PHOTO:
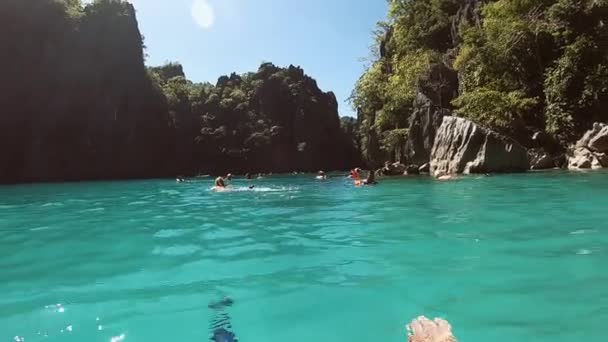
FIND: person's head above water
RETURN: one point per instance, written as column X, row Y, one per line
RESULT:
column 229, row 176
column 219, row 182
column 321, row 173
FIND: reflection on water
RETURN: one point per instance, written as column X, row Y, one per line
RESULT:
column 503, row 258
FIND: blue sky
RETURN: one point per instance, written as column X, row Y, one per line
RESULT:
column 328, row 38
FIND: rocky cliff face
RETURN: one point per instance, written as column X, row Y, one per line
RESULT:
column 81, row 104
column 591, row 151
column 463, row 147
column 273, row 120
column 436, row 89
column 78, row 103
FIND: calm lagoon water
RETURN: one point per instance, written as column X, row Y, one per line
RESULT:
column 503, row 258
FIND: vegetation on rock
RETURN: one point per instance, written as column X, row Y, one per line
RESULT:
column 274, row 119
column 524, row 66
column 79, row 103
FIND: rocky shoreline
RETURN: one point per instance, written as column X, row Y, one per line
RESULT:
column 462, row 147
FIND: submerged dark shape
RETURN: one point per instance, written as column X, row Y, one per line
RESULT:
column 221, row 304
column 220, row 325
column 223, row 335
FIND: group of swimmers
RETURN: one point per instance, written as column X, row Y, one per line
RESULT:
column 222, row 182
column 355, row 175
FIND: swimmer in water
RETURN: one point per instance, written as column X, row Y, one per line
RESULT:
column 321, row 175
column 229, row 177
column 220, row 183
column 355, row 175
column 443, row 176
column 221, row 327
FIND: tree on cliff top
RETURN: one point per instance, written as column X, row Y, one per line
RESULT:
column 273, row 119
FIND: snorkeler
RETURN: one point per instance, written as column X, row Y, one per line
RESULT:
column 221, row 327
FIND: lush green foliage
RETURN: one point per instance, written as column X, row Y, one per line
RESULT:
column 414, row 37
column 275, row 118
column 549, row 52
column 78, row 103
column 524, row 66
column 507, row 108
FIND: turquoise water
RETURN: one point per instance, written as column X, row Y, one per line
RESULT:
column 503, row 258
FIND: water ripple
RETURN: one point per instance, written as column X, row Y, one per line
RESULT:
column 355, row 263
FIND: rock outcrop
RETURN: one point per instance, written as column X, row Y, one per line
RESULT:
column 412, row 170
column 582, row 158
column 436, row 89
column 591, row 151
column 541, row 160
column 461, row 146
column 394, row 169
column 81, row 103
column 423, row 125
column 596, row 139
column 426, row 168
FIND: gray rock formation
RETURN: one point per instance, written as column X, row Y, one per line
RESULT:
column 426, row 168
column 596, row 136
column 596, row 139
column 541, row 160
column 591, row 151
column 424, row 122
column 412, row 170
column 436, row 89
column 394, row 169
column 581, row 158
column 464, row 147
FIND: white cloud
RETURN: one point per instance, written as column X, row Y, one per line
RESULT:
column 203, row 13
